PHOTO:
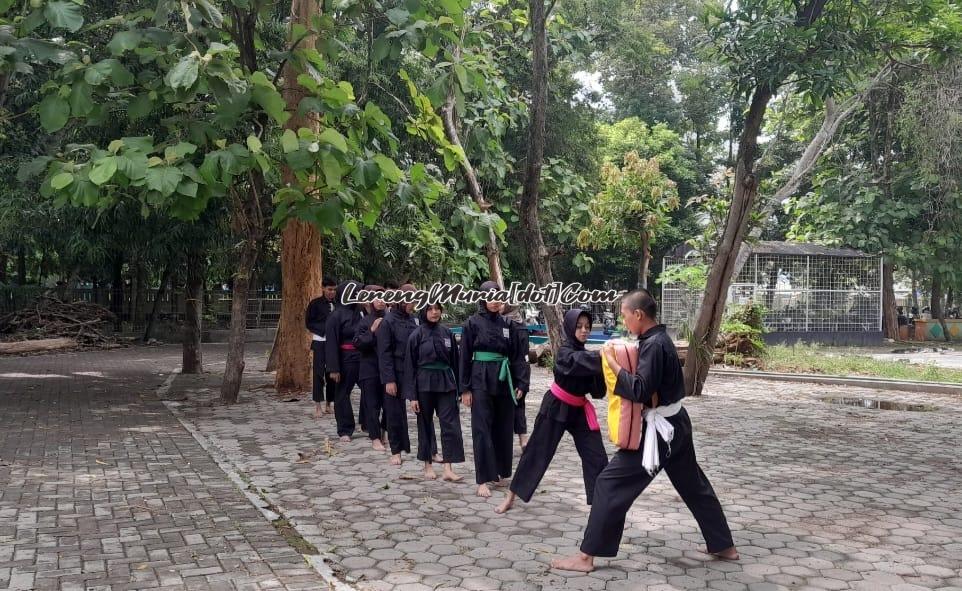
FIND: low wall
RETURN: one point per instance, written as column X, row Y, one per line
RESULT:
column 931, row 330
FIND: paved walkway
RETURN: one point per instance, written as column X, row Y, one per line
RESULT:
column 103, row 488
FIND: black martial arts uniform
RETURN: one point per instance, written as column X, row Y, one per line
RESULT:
column 492, row 409
column 430, row 373
column 578, row 372
column 369, row 376
column 392, row 339
column 318, row 311
column 343, row 357
column 521, row 368
column 620, row 483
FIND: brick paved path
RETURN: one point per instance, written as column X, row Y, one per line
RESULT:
column 819, row 497
column 102, row 488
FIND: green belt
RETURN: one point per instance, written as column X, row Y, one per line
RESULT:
column 504, row 374
column 439, row 365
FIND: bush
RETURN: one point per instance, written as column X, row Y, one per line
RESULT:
column 741, row 333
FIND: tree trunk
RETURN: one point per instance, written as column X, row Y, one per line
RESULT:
column 890, row 324
column 272, row 358
column 915, row 290
column 492, row 249
column 117, row 292
column 3, row 268
column 300, row 241
column 155, row 309
column 193, row 360
column 534, row 243
column 701, row 347
column 949, row 301
column 938, row 312
column 645, row 261
column 139, row 298
column 21, row 266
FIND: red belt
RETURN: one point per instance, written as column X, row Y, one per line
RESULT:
column 577, row 401
column 348, row 347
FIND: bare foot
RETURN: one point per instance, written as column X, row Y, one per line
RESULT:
column 437, row 458
column 449, row 474
column 345, row 438
column 317, row 411
column 484, row 491
column 396, row 460
column 580, row 562
column 377, row 444
column 502, row 482
column 506, row 505
column 726, row 554
column 327, row 408
column 523, row 440
column 429, row 472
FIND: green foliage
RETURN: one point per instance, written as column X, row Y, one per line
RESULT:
column 692, row 277
column 741, row 330
column 849, row 362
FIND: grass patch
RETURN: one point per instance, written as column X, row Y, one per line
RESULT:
column 812, row 359
column 294, row 539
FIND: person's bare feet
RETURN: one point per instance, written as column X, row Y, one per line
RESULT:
column 345, row 438
column 327, row 408
column 377, row 444
column 429, row 472
column 726, row 554
column 579, row 562
column 522, row 440
column 450, row 475
column 506, row 505
column 484, row 491
column 317, row 410
column 396, row 460
column 437, row 458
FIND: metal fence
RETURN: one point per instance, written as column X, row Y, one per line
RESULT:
column 799, row 292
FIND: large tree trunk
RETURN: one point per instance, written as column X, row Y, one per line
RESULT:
column 492, row 250
column 534, row 244
column 300, row 241
column 158, row 297
column 645, row 261
column 701, row 347
column 890, row 324
column 915, row 290
column 193, row 360
column 938, row 311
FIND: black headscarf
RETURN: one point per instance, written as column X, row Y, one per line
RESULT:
column 483, row 304
column 571, row 324
column 423, row 314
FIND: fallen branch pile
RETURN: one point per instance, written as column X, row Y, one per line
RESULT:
column 48, row 317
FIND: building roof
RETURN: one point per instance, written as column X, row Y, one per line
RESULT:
column 773, row 247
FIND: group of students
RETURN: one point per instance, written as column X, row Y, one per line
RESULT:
column 394, row 357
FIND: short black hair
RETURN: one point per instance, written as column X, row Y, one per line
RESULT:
column 328, row 282
column 391, row 284
column 641, row 299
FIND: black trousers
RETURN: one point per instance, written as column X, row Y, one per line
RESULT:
column 445, row 406
column 396, row 416
column 343, row 408
column 543, row 444
column 492, row 430
column 520, row 418
column 372, row 401
column 319, row 394
column 624, row 479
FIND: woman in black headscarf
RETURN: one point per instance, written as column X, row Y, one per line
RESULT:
column 372, row 392
column 565, row 407
column 342, row 358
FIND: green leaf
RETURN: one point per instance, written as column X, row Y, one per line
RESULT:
column 164, row 179
column 334, row 138
column 103, row 170
column 288, row 195
column 388, row 168
column 179, row 150
column 299, row 159
column 187, row 187
column 98, row 73
column 289, row 142
column 33, row 168
column 271, row 101
column 64, row 15
column 462, row 75
column 81, row 99
column 184, row 74
column 140, row 107
column 61, row 180
column 124, row 41
column 133, row 165
column 381, row 49
column 54, row 112
column 397, row 16
column 332, row 171
column 366, row 173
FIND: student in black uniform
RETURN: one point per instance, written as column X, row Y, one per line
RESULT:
column 372, row 392
column 392, row 342
column 343, row 359
column 521, row 367
column 489, row 363
column 630, row 472
column 318, row 311
column 565, row 407
column 430, row 374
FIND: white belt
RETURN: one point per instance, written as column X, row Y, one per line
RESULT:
column 317, row 338
column 656, row 421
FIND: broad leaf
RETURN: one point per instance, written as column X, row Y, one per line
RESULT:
column 64, row 15
column 103, row 170
column 54, row 112
column 163, row 179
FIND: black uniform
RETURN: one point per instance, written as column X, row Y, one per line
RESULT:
column 521, row 368
column 492, row 410
column 435, row 388
column 369, row 376
column 578, row 372
column 392, row 338
column 343, row 357
column 620, row 483
column 318, row 311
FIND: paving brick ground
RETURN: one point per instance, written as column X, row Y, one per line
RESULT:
column 102, row 488
column 819, row 496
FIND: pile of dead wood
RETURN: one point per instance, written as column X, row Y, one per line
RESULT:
column 48, row 323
